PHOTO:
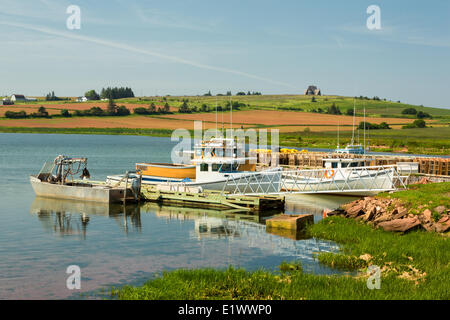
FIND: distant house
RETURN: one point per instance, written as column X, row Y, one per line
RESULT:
column 82, row 99
column 313, row 91
column 18, row 97
column 6, row 102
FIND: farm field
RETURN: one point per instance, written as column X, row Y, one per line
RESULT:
column 133, row 122
column 292, row 114
column 272, row 117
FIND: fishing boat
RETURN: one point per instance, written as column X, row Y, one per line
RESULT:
column 352, row 147
column 218, row 164
column 56, row 180
column 344, row 176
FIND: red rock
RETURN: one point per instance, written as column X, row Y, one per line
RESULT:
column 355, row 210
column 442, row 226
column 427, row 215
column 369, row 214
column 424, row 180
column 400, row 212
column 400, row 225
column 440, row 209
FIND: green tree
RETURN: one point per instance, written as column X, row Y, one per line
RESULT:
column 92, row 95
column 111, row 108
column 152, row 108
column 166, row 108
column 419, row 123
column 65, row 113
column 409, row 111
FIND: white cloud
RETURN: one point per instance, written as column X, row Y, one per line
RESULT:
column 117, row 45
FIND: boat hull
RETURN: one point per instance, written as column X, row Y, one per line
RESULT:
column 169, row 171
column 366, row 184
column 84, row 192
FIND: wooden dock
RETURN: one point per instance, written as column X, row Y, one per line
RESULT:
column 211, row 199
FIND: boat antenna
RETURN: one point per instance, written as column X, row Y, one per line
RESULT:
column 222, row 121
column 231, row 115
column 353, row 127
column 364, row 146
column 216, row 116
column 338, row 137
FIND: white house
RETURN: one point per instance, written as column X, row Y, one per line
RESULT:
column 82, row 99
column 18, row 97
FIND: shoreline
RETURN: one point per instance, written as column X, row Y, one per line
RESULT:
column 412, row 265
column 285, row 140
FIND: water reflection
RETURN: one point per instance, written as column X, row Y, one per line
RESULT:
column 315, row 204
column 232, row 231
column 71, row 218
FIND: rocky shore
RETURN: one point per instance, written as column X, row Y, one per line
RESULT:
column 393, row 215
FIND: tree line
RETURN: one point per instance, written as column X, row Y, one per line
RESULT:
column 240, row 93
column 110, row 93
column 414, row 112
column 42, row 113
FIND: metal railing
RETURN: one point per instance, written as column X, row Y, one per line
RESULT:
column 357, row 180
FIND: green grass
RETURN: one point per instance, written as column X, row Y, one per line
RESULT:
column 422, row 258
column 423, row 196
column 109, row 131
column 341, row 261
column 419, row 141
column 286, row 102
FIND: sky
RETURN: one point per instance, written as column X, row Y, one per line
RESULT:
column 191, row 47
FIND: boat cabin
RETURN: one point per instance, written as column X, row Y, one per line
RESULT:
column 216, row 158
column 337, row 163
column 351, row 149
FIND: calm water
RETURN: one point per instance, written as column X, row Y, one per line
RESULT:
column 40, row 238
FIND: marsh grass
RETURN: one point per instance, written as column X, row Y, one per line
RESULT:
column 341, row 261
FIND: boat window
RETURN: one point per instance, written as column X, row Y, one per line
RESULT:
column 203, row 167
column 226, row 167
column 334, row 164
column 228, row 152
column 354, row 164
column 215, row 167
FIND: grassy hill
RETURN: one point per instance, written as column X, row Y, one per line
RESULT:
column 298, row 120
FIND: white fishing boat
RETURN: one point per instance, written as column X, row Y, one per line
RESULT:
column 343, row 176
column 221, row 164
column 56, row 180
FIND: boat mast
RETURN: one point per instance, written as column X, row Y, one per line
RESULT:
column 364, row 146
column 216, row 117
column 338, row 137
column 353, row 127
column 231, row 115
